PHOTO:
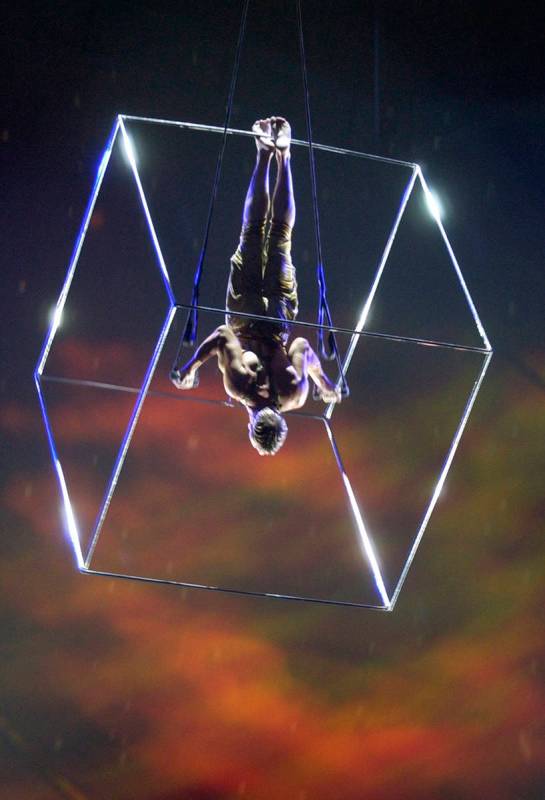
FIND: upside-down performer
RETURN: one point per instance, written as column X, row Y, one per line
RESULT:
column 260, row 369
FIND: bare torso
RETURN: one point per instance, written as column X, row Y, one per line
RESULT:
column 260, row 371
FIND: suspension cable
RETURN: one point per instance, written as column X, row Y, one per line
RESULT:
column 190, row 332
column 324, row 314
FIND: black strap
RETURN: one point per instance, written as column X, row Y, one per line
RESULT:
column 190, row 332
column 331, row 351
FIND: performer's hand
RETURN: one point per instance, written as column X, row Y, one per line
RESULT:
column 189, row 380
column 331, row 394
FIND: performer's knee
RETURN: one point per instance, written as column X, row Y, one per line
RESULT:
column 280, row 232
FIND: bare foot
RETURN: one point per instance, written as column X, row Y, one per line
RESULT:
column 263, row 135
column 281, row 133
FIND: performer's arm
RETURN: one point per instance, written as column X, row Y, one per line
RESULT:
column 186, row 377
column 306, row 362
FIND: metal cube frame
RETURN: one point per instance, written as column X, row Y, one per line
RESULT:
column 84, row 556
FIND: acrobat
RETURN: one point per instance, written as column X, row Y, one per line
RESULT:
column 260, row 369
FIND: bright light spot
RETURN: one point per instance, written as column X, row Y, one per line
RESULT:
column 56, row 318
column 69, row 516
column 366, row 542
column 129, row 149
column 434, row 206
column 103, row 162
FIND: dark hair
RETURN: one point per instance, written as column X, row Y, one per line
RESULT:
column 268, row 431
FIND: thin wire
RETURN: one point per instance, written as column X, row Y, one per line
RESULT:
column 116, row 387
column 243, row 592
column 443, row 475
column 357, row 331
column 323, row 306
column 190, row 332
column 196, row 126
column 376, row 73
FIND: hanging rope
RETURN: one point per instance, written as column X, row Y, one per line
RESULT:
column 190, row 332
column 324, row 315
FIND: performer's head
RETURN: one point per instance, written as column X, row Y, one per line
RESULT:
column 267, row 430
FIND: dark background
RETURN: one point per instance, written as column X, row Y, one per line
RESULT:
column 123, row 691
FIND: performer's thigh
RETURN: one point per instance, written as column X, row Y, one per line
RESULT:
column 245, row 286
column 280, row 282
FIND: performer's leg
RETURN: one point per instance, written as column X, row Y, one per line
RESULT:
column 283, row 204
column 244, row 290
column 280, row 286
column 256, row 205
